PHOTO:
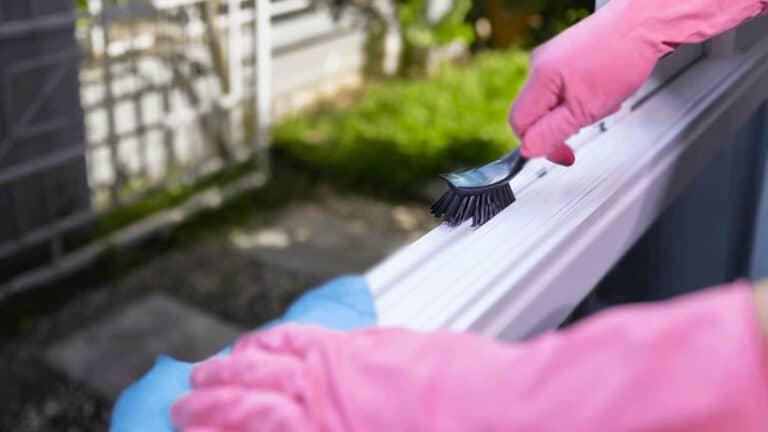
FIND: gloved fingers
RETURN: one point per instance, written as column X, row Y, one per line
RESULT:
column 547, row 137
column 252, row 370
column 540, row 95
column 562, row 155
column 289, row 339
column 233, row 408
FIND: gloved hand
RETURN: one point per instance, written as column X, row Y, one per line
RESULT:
column 586, row 72
column 695, row 364
column 343, row 303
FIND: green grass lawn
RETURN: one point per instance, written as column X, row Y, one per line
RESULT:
column 403, row 132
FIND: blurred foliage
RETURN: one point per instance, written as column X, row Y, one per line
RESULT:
column 420, row 36
column 403, row 132
column 556, row 16
column 536, row 20
column 173, row 195
column 82, row 5
column 539, row 21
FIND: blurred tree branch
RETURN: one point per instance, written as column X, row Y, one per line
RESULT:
column 209, row 11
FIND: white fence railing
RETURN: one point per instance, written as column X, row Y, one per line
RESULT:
column 164, row 93
column 171, row 90
column 162, row 105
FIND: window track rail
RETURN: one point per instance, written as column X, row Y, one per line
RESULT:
column 528, row 268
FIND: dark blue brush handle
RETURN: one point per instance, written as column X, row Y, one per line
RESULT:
column 516, row 162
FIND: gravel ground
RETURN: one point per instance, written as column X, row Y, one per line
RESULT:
column 40, row 399
column 217, row 275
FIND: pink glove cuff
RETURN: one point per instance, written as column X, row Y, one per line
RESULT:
column 669, row 24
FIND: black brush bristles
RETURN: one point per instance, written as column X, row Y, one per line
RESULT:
column 479, row 193
column 479, row 206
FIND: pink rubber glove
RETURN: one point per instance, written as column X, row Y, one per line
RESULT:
column 694, row 364
column 586, row 72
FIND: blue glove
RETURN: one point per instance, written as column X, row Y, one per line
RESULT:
column 344, row 303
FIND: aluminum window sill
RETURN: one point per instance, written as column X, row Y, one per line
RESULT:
column 528, row 268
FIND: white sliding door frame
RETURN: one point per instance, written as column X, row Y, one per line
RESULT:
column 528, row 268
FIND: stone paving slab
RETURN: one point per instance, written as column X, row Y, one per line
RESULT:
column 119, row 349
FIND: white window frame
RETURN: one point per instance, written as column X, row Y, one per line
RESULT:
column 529, row 267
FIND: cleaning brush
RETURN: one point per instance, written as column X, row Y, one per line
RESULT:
column 479, row 193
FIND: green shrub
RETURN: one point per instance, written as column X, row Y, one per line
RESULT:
column 558, row 15
column 420, row 36
column 404, row 132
